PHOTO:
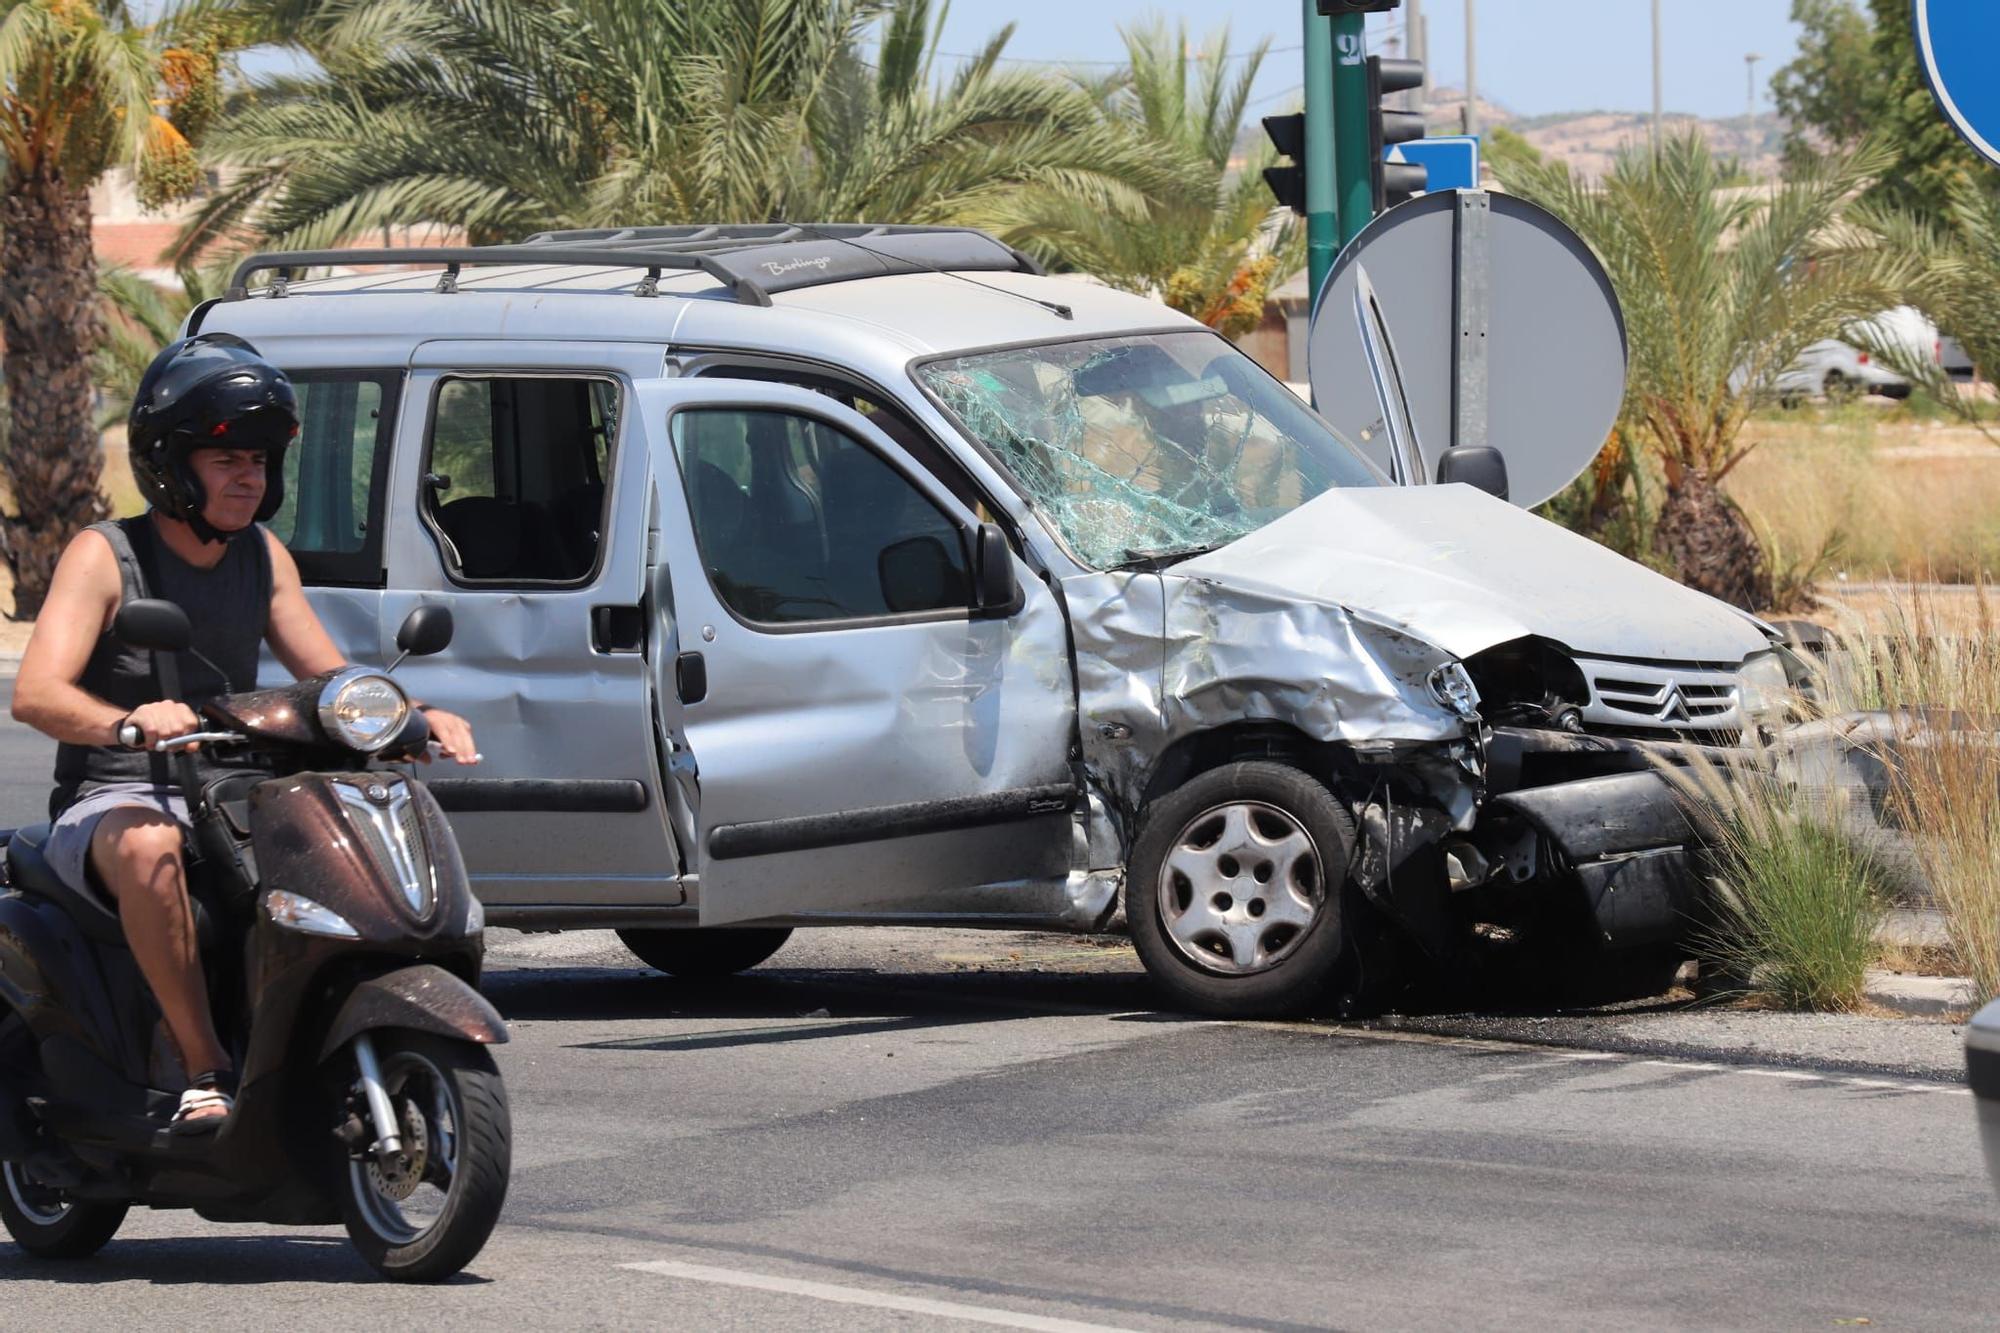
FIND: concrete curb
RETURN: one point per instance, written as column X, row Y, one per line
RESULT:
column 1919, row 997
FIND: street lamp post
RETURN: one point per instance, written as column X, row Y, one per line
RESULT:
column 1750, row 105
column 1657, row 77
column 1472, row 68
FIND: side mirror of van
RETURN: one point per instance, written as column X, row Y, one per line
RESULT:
column 426, row 630
column 918, row 574
column 998, row 591
column 1475, row 465
column 148, row 622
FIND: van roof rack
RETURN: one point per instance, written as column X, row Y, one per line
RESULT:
column 752, row 260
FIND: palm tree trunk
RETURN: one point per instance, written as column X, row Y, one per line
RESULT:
column 49, row 322
column 1712, row 545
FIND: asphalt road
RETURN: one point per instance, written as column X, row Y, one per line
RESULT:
column 909, row 1129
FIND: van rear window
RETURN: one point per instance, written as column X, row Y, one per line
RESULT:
column 336, row 473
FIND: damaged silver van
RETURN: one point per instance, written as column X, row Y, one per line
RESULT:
column 814, row 575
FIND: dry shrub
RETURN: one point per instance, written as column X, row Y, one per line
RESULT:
column 1937, row 673
column 1797, row 897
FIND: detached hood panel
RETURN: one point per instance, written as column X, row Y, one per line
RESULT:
column 1465, row 571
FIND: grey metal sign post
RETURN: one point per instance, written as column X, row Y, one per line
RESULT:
column 1498, row 326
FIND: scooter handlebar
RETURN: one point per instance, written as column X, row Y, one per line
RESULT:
column 192, row 738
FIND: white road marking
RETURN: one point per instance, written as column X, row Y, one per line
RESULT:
column 1540, row 1051
column 1691, row 1066
column 878, row 1300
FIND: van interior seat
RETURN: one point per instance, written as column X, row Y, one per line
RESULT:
column 576, row 523
column 487, row 533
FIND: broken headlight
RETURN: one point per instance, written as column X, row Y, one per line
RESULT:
column 1451, row 685
column 1763, row 687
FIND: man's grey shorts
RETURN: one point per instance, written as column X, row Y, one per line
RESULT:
column 68, row 849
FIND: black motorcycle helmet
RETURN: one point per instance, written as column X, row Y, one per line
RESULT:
column 214, row 392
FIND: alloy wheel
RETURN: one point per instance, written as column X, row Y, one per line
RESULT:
column 1241, row 888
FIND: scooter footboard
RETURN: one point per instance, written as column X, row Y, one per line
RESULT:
column 425, row 998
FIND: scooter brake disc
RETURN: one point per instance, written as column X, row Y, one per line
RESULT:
column 399, row 1180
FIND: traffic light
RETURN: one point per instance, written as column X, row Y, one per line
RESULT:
column 1395, row 182
column 1333, row 9
column 1288, row 136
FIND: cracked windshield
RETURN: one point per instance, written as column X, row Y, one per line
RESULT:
column 1147, row 448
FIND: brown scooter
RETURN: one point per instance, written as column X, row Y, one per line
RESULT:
column 342, row 945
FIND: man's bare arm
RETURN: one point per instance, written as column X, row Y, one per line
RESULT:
column 296, row 635
column 82, row 597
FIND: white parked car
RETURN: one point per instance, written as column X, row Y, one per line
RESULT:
column 1839, row 371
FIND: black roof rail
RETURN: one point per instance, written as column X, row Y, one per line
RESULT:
column 751, row 260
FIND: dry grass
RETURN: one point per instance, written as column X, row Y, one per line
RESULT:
column 1895, row 499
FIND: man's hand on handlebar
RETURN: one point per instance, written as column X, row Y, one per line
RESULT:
column 168, row 717
column 452, row 735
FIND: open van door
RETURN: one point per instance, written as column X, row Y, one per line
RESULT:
column 873, row 689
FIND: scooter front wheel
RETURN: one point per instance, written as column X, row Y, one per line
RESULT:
column 425, row 1214
column 48, row 1223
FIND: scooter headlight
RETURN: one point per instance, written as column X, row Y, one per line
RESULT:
column 294, row 912
column 363, row 709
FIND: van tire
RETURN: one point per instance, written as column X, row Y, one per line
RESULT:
column 706, row 954
column 1262, row 805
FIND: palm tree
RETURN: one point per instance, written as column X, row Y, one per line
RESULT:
column 1721, row 289
column 79, row 86
column 1212, row 245
column 504, row 118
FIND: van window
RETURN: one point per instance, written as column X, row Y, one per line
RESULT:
column 335, row 472
column 799, row 522
column 516, row 473
column 882, row 413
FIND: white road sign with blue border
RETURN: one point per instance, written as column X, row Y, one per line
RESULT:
column 1958, row 42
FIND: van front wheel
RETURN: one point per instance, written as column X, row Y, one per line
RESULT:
column 1235, row 891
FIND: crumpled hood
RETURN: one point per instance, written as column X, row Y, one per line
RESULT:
column 1465, row 571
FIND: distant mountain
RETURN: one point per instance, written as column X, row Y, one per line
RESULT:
column 1589, row 140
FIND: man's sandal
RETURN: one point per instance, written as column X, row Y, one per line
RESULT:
column 197, row 1111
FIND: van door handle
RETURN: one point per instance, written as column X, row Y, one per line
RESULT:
column 617, row 629
column 691, row 677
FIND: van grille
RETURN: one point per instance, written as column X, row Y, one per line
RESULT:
column 1632, row 696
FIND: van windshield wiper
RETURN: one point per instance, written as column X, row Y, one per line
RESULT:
column 1155, row 561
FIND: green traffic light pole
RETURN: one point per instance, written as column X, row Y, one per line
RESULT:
column 1339, row 184
column 1322, row 229
column 1353, row 172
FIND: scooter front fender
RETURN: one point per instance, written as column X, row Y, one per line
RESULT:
column 425, row 998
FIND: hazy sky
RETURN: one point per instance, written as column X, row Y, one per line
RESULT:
column 1535, row 56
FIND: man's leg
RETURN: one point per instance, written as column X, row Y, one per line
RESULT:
column 137, row 855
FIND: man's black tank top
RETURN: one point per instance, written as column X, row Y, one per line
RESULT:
column 230, row 609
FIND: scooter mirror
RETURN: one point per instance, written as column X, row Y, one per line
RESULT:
column 426, row 630
column 147, row 622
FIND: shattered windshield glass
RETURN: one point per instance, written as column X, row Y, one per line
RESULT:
column 1146, row 448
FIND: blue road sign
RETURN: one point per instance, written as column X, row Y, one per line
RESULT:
column 1452, row 161
column 1958, row 41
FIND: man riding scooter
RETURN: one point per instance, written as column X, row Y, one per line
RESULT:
column 210, row 424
